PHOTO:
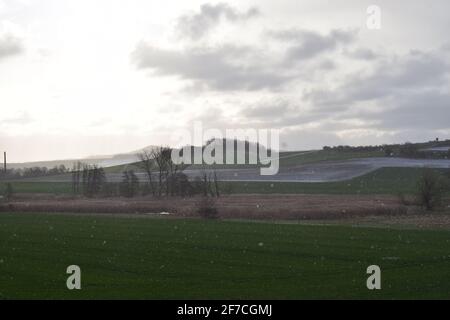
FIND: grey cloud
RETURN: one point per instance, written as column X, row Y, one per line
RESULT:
column 406, row 92
column 241, row 68
column 415, row 72
column 196, row 26
column 327, row 65
column 280, row 113
column 267, row 110
column 362, row 54
column 222, row 68
column 10, row 46
column 308, row 44
column 307, row 139
column 231, row 67
column 424, row 111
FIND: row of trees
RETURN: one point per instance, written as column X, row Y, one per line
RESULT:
column 411, row 150
column 162, row 173
column 88, row 180
column 33, row 172
column 353, row 149
column 163, row 178
column 407, row 150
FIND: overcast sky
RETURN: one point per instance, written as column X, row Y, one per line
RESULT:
column 81, row 77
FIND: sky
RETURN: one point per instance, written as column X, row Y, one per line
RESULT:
column 81, row 78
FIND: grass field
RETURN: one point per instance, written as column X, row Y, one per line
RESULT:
column 391, row 181
column 167, row 258
column 294, row 158
column 38, row 187
column 287, row 159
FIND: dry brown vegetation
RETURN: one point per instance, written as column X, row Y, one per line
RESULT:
column 269, row 207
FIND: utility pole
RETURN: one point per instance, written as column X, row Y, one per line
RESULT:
column 4, row 161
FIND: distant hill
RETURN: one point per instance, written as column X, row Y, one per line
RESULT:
column 118, row 162
column 100, row 160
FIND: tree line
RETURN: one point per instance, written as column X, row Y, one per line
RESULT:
column 88, row 180
column 162, row 178
column 165, row 178
column 406, row 150
column 33, row 172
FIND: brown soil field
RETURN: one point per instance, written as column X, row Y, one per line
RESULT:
column 264, row 207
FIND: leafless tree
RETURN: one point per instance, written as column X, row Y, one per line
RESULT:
column 208, row 184
column 158, row 157
column 147, row 163
column 130, row 184
column 158, row 162
column 93, row 180
column 431, row 188
column 216, row 184
column 76, row 177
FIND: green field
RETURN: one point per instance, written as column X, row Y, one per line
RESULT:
column 295, row 158
column 392, row 181
column 38, row 187
column 287, row 159
column 179, row 259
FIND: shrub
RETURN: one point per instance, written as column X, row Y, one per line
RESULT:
column 207, row 209
column 431, row 188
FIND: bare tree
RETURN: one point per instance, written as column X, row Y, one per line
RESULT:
column 165, row 177
column 208, row 184
column 93, row 180
column 167, row 170
column 431, row 187
column 216, row 184
column 205, row 184
column 130, row 184
column 76, row 175
column 147, row 163
column 157, row 155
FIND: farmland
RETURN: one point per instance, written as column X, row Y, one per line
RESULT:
column 392, row 181
column 272, row 240
column 140, row 258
